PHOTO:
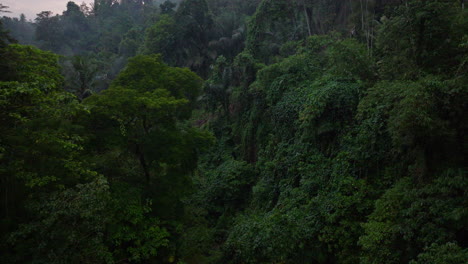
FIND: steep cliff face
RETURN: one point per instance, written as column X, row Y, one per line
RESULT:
column 338, row 126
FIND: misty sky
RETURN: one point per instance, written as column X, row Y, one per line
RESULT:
column 31, row 7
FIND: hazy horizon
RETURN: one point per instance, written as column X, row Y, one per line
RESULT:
column 30, row 8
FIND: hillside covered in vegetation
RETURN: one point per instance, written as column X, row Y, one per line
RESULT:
column 236, row 132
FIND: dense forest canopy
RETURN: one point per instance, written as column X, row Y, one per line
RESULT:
column 235, row 131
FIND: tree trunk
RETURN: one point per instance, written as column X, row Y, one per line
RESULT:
column 307, row 17
column 143, row 163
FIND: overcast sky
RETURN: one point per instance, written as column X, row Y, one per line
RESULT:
column 32, row 7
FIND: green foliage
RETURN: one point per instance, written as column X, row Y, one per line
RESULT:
column 149, row 73
column 41, row 150
column 412, row 114
column 143, row 141
column 414, row 217
column 5, row 37
column 87, row 224
column 438, row 254
column 420, row 36
column 328, row 130
column 227, row 186
column 80, row 75
column 340, row 133
column 70, row 227
column 130, row 43
column 266, row 238
column 167, row 7
column 29, row 64
column 182, row 37
column 32, row 124
column 216, row 89
column 162, row 37
column 269, row 17
column 49, row 30
column 53, row 153
column 35, row 119
column 136, row 235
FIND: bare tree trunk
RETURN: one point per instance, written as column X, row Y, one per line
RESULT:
column 306, row 17
column 362, row 16
column 143, row 164
column 372, row 32
column 368, row 27
column 7, row 214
